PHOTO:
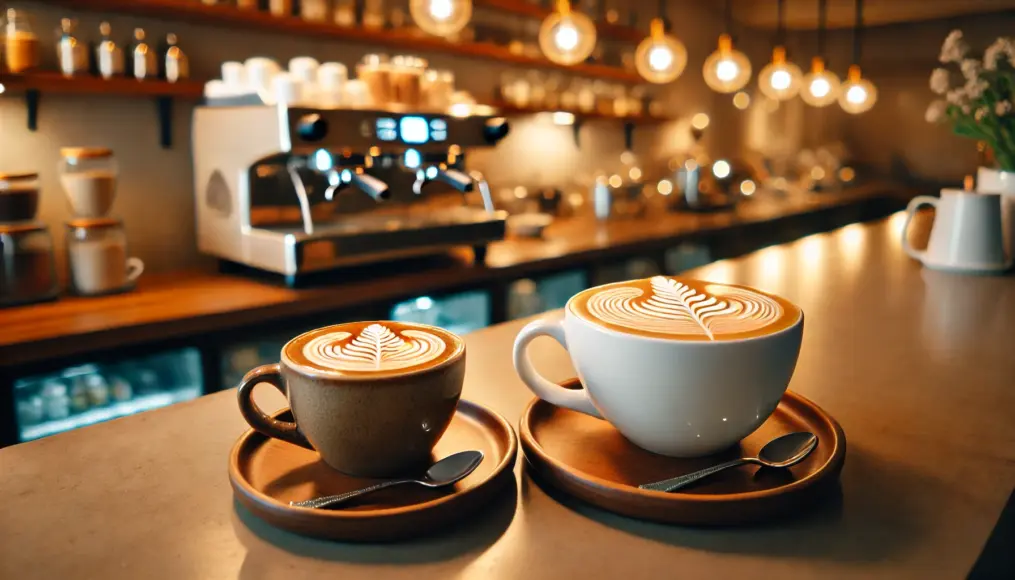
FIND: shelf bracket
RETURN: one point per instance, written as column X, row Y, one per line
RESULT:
column 576, row 129
column 165, row 111
column 628, row 136
column 32, row 97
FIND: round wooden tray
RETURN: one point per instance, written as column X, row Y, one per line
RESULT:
column 589, row 459
column 266, row 474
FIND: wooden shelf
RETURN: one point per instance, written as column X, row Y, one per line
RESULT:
column 32, row 85
column 51, row 82
column 582, row 116
column 413, row 40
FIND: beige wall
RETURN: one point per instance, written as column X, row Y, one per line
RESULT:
column 155, row 194
column 894, row 137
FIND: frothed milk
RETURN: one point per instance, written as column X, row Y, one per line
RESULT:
column 90, row 193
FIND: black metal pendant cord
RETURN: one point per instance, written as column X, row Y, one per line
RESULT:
column 729, row 17
column 858, row 31
column 822, row 21
column 780, row 28
column 662, row 14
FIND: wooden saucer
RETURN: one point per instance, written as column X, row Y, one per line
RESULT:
column 266, row 474
column 589, row 459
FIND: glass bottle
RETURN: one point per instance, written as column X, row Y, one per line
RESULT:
column 281, row 8
column 345, row 12
column 108, row 56
column 373, row 14
column 71, row 53
column 175, row 65
column 143, row 60
column 314, row 10
column 21, row 45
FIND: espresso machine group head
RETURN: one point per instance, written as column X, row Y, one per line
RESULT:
column 293, row 190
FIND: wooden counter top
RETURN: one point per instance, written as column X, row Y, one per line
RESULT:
column 916, row 365
column 167, row 306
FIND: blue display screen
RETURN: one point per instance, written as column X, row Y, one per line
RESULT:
column 414, row 130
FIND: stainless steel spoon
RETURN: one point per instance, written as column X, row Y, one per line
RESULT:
column 780, row 452
column 447, row 471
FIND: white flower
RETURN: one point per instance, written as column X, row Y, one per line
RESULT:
column 1002, row 47
column 1002, row 108
column 970, row 68
column 980, row 113
column 974, row 89
column 936, row 111
column 954, row 48
column 956, row 96
column 939, row 81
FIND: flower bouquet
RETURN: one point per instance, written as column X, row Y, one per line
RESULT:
column 981, row 105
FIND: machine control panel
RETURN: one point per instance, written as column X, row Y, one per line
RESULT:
column 393, row 131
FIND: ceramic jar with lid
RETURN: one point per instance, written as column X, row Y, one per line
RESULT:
column 21, row 44
column 27, row 271
column 97, row 257
column 88, row 176
column 19, row 196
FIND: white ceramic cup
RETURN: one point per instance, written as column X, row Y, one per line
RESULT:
column 234, row 76
column 259, row 74
column 287, row 90
column 1003, row 182
column 674, row 397
column 966, row 235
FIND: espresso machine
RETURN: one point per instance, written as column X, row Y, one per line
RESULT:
column 296, row 190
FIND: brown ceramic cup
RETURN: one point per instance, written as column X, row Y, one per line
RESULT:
column 372, row 398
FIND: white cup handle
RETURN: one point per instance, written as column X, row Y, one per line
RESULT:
column 914, row 205
column 574, row 399
column 134, row 268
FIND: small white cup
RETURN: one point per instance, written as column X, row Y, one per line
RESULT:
column 286, row 90
column 234, row 76
column 966, row 235
column 259, row 74
column 355, row 95
column 217, row 89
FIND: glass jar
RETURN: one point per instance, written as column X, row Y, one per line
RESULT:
column 375, row 72
column 373, row 14
column 19, row 196
column 97, row 257
column 27, row 271
column 314, row 10
column 345, row 12
column 21, row 45
column 281, row 8
column 88, row 176
column 407, row 80
column 438, row 86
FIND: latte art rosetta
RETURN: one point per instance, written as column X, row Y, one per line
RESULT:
column 376, row 348
column 672, row 307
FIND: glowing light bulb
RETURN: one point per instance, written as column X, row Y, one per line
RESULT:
column 441, row 9
column 780, row 80
column 567, row 37
column 858, row 94
column 441, row 17
column 660, row 58
column 821, row 87
column 726, row 70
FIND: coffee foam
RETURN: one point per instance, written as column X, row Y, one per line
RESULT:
column 375, row 348
column 684, row 309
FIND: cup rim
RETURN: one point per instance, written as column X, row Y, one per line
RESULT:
column 570, row 313
column 308, row 371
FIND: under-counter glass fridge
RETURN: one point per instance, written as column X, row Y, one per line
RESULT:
column 460, row 313
column 87, row 394
column 528, row 296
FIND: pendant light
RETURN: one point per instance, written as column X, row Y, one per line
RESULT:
column 441, row 17
column 858, row 94
column 567, row 37
column 727, row 70
column 821, row 86
column 660, row 58
column 780, row 79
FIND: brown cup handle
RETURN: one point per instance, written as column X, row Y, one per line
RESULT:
column 261, row 422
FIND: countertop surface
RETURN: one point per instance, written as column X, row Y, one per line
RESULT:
column 917, row 366
column 182, row 304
